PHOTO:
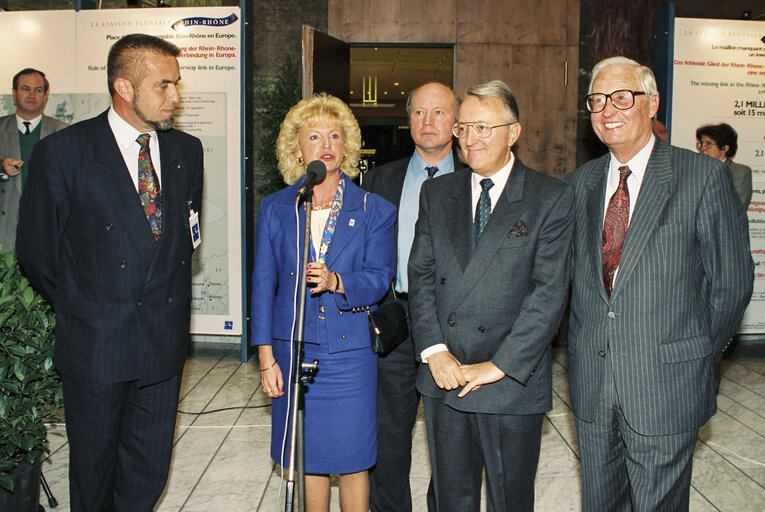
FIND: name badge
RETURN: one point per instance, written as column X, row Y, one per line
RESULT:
column 196, row 238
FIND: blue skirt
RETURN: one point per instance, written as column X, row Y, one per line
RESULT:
column 340, row 410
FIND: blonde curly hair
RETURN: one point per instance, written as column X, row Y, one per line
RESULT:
column 311, row 112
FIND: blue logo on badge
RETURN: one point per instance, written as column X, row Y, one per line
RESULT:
column 228, row 325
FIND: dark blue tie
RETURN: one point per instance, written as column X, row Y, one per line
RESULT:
column 483, row 209
column 432, row 170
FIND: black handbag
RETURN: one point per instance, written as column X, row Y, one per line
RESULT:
column 388, row 326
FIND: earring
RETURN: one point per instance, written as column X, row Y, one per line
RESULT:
column 300, row 160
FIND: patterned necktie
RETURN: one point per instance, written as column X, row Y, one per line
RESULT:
column 148, row 188
column 27, row 124
column 483, row 208
column 431, row 170
column 615, row 228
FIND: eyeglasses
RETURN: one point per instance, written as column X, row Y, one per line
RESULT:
column 623, row 99
column 705, row 144
column 480, row 128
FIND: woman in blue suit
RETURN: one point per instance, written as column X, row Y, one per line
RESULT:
column 351, row 267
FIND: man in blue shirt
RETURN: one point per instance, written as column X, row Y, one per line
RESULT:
column 432, row 110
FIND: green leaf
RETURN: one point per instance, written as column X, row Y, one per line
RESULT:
column 6, row 482
column 19, row 369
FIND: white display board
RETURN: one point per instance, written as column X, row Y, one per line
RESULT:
column 719, row 77
column 71, row 49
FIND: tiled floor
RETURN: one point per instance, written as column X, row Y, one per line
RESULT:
column 221, row 461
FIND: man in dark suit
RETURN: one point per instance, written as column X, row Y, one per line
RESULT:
column 107, row 227
column 661, row 274
column 19, row 133
column 487, row 288
column 432, row 110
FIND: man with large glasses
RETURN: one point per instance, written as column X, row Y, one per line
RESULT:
column 661, row 274
column 487, row 286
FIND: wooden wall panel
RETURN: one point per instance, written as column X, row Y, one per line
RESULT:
column 535, row 74
column 572, row 22
column 574, row 99
column 523, row 42
column 422, row 21
column 512, row 21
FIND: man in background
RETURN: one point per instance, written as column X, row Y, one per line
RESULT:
column 432, row 110
column 107, row 226
column 19, row 133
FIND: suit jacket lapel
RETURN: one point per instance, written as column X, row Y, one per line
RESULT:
column 654, row 194
column 596, row 200
column 350, row 219
column 458, row 206
column 508, row 210
column 120, row 189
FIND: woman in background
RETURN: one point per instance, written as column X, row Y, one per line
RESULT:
column 351, row 267
column 720, row 141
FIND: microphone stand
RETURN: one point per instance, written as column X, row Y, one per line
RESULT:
column 300, row 375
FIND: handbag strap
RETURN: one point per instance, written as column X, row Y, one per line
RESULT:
column 392, row 288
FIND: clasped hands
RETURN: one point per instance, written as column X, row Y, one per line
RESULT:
column 449, row 373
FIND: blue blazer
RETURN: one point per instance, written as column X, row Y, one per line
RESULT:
column 361, row 252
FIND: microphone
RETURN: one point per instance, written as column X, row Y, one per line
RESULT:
column 315, row 172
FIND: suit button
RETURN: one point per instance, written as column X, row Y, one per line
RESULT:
column 183, row 262
column 602, row 353
column 109, row 227
column 123, row 264
column 292, row 273
column 139, row 303
column 343, row 336
column 611, row 315
column 481, row 328
column 451, row 323
column 169, row 300
column 443, row 280
column 341, row 313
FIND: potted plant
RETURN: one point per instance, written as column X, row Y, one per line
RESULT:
column 30, row 387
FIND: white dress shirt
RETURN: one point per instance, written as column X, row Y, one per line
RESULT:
column 637, row 165
column 126, row 137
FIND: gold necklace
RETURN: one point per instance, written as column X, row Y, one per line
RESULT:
column 322, row 206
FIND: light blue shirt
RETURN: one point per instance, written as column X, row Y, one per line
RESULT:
column 408, row 209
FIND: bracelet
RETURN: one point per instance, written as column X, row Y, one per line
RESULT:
column 337, row 282
column 266, row 369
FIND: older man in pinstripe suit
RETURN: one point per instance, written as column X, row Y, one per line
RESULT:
column 661, row 275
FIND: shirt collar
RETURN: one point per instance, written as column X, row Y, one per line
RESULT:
column 32, row 123
column 637, row 163
column 124, row 133
column 499, row 178
column 444, row 166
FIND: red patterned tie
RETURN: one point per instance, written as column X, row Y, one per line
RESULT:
column 148, row 188
column 615, row 228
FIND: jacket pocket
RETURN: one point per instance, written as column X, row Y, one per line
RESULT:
column 686, row 349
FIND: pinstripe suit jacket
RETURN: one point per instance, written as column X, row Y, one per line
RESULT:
column 684, row 281
column 122, row 301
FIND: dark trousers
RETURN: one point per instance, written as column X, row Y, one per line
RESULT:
column 625, row 471
column 120, row 441
column 397, row 403
column 462, row 444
